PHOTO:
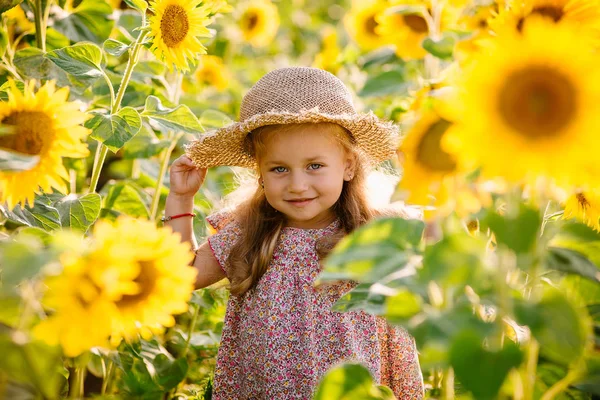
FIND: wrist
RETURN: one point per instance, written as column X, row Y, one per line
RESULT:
column 178, row 204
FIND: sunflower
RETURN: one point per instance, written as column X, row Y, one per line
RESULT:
column 211, row 71
column 327, row 58
column 174, row 31
column 17, row 19
column 584, row 206
column 157, row 270
column 259, row 22
column 46, row 125
column 407, row 31
column 82, row 310
column 529, row 106
column 582, row 14
column 362, row 24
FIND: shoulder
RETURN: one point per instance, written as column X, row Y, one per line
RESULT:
column 223, row 218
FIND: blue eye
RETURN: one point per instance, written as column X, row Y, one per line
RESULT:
column 315, row 166
column 278, row 169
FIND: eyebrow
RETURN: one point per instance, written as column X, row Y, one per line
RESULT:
column 306, row 160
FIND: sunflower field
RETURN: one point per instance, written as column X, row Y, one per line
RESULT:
column 499, row 107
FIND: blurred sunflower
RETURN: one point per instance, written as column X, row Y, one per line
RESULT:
column 42, row 124
column 529, row 106
column 584, row 206
column 175, row 28
column 212, row 72
column 327, row 58
column 582, row 14
column 407, row 31
column 259, row 22
column 362, row 25
column 160, row 280
column 78, row 297
column 18, row 21
column 218, row 6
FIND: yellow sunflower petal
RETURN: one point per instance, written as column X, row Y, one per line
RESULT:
column 259, row 22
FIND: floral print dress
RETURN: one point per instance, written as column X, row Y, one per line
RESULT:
column 281, row 337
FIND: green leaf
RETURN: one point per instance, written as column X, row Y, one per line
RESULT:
column 80, row 60
column 116, row 129
column 571, row 262
column 14, row 161
column 374, row 250
column 6, row 87
column 482, row 371
column 169, row 373
column 90, row 22
column 33, row 363
column 214, row 119
column 456, row 260
column 381, row 56
column 144, row 145
column 349, row 382
column 31, row 63
column 177, row 119
column 140, row 5
column 21, row 260
column 41, row 215
column 442, row 48
column 402, row 306
column 386, row 83
column 79, row 212
column 114, row 47
column 361, row 298
column 517, row 232
column 557, row 325
column 125, row 197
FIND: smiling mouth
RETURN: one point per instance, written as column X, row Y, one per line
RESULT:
column 300, row 202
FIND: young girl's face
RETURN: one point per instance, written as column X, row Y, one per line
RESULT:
column 303, row 171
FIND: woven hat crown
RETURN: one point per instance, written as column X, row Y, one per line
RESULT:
column 291, row 90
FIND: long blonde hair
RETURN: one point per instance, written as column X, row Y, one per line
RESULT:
column 261, row 224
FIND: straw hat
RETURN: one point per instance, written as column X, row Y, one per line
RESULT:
column 292, row 96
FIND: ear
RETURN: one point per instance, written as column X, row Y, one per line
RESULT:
column 349, row 167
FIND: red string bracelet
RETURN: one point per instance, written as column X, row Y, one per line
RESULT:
column 165, row 219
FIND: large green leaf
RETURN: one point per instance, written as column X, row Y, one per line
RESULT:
column 144, row 145
column 456, row 260
column 33, row 363
column 116, row 129
column 41, row 215
column 571, row 262
column 374, row 251
column 31, row 63
column 557, row 325
column 126, row 198
column 80, row 60
column 361, row 298
column 179, row 118
column 90, row 21
column 385, row 83
column 115, row 47
column 517, row 232
column 442, row 48
column 480, row 370
column 13, row 161
column 79, row 212
column 350, row 382
column 20, row 260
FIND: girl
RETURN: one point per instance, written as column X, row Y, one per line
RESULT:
column 311, row 150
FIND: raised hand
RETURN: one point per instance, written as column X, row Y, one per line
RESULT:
column 185, row 177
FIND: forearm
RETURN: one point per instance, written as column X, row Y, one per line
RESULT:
column 184, row 226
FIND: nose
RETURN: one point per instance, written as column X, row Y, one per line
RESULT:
column 298, row 182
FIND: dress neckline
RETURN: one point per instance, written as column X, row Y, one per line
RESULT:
column 329, row 228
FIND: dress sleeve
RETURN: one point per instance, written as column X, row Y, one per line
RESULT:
column 226, row 230
column 400, row 369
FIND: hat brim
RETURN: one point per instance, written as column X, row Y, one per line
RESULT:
column 377, row 139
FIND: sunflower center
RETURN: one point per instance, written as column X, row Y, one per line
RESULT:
column 555, row 13
column 251, row 21
column 583, row 202
column 33, row 131
column 429, row 150
column 537, row 101
column 174, row 25
column 416, row 23
column 371, row 25
column 146, row 281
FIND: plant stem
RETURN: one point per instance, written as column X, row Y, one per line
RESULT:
column 448, row 384
column 40, row 29
column 106, row 380
column 561, row 385
column 191, row 329
column 116, row 104
column 76, row 391
column 531, row 360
